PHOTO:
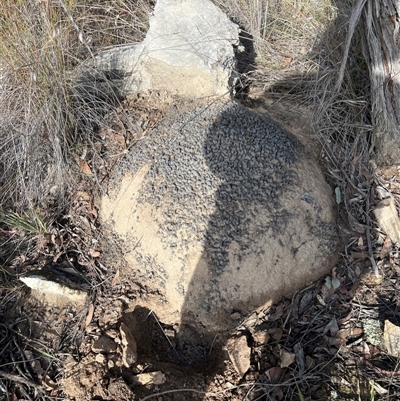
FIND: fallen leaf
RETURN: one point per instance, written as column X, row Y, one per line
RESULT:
column 276, row 333
column 89, row 317
column 83, row 195
column 287, row 358
column 335, row 283
column 274, row 374
column 277, row 314
column 49, row 384
column 343, row 335
column 332, row 327
column 386, row 248
column 84, row 166
column 305, row 301
column 299, row 352
column 359, row 255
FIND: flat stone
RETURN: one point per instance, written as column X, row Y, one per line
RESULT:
column 104, row 345
column 391, row 339
column 386, row 215
column 129, row 349
column 151, row 378
column 46, row 288
column 239, row 354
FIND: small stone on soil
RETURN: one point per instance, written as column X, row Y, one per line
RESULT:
column 154, row 378
column 104, row 345
column 239, row 354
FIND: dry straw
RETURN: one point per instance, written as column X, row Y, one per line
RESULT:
column 43, row 117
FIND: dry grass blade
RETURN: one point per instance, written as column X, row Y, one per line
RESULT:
column 44, row 117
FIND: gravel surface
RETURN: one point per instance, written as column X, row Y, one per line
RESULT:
column 212, row 169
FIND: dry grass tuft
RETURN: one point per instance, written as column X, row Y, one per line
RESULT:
column 42, row 117
column 284, row 34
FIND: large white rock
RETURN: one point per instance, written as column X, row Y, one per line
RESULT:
column 188, row 50
column 50, row 290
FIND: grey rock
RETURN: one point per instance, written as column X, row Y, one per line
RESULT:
column 188, row 50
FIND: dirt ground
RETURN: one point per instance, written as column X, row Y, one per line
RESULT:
column 312, row 346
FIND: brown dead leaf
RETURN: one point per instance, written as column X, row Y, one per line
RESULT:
column 92, row 210
column 274, row 374
column 89, row 317
column 84, row 166
column 287, row 61
column 310, row 362
column 332, row 327
column 277, row 314
column 327, row 292
column 239, row 354
column 365, row 173
column 118, row 139
column 359, row 255
column 49, row 384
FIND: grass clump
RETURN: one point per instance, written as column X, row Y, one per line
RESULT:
column 284, row 34
column 43, row 115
